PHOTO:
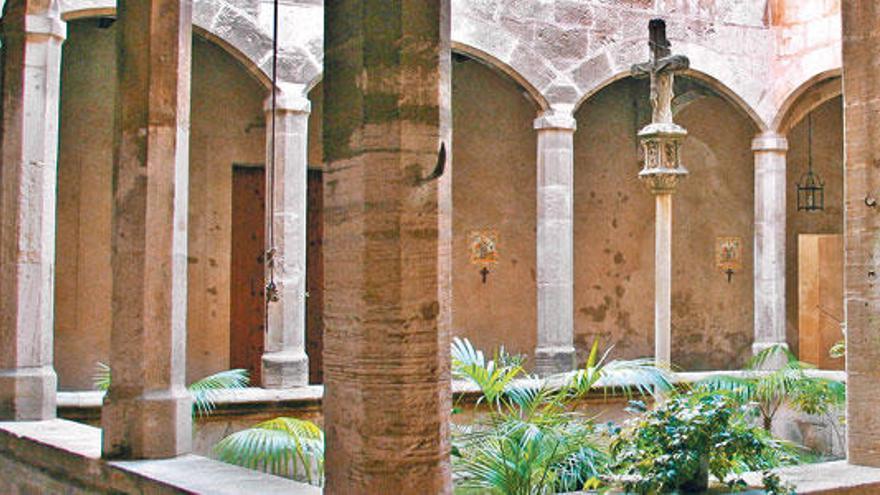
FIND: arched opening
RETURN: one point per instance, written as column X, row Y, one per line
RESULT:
column 814, row 239
column 494, row 187
column 227, row 131
column 614, row 227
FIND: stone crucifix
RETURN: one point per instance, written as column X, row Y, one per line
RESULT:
column 661, row 141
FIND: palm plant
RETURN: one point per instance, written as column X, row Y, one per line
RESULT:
column 770, row 389
column 289, row 447
column 204, row 392
column 533, row 440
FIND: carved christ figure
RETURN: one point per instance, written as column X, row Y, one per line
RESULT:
column 661, row 69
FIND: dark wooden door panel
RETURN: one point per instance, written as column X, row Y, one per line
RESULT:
column 247, row 312
column 315, row 278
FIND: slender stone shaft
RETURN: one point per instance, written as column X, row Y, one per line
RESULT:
column 285, row 363
column 663, row 278
column 770, row 151
column 147, row 411
column 32, row 36
column 555, row 343
column 861, row 56
column 386, row 348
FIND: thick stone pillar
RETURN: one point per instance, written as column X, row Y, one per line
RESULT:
column 285, row 363
column 386, row 348
column 770, row 151
column 147, row 411
column 555, row 343
column 32, row 36
column 861, row 98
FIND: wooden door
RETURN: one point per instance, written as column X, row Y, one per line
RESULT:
column 820, row 298
column 247, row 278
column 315, row 277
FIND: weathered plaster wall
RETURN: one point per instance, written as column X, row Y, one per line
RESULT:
column 614, row 231
column 85, row 157
column 494, row 174
column 227, row 127
column 828, row 163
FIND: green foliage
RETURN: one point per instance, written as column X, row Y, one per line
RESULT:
column 838, row 350
column 769, row 389
column 204, row 392
column 676, row 445
column 533, row 441
column 492, row 376
column 289, row 447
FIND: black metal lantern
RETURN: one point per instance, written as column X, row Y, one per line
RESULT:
column 811, row 187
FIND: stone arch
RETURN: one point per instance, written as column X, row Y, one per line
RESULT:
column 232, row 29
column 503, row 49
column 498, row 65
column 807, row 97
column 713, row 69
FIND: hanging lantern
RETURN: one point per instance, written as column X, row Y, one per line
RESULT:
column 811, row 187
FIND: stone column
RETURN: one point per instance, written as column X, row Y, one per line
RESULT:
column 386, row 349
column 285, row 363
column 555, row 343
column 147, row 411
column 861, row 98
column 770, row 151
column 32, row 36
column 661, row 173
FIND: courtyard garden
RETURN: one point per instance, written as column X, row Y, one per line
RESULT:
column 520, row 434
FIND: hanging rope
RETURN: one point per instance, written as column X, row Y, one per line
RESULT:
column 271, row 288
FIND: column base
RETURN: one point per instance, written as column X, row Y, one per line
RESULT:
column 157, row 426
column 550, row 360
column 774, row 362
column 28, row 394
column 285, row 370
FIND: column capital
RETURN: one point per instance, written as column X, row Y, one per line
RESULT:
column 289, row 98
column 557, row 117
column 769, row 141
column 46, row 24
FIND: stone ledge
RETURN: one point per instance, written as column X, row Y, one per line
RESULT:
column 49, row 455
column 86, row 405
column 838, row 477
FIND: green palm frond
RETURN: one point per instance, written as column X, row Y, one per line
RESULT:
column 283, row 446
column 204, row 391
column 742, row 390
column 627, row 377
column 838, row 350
column 513, row 456
column 101, row 377
column 491, row 377
column 771, row 354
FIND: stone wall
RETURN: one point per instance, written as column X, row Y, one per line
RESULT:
column 493, row 184
column 614, row 231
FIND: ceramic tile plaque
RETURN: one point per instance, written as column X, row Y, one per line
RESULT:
column 483, row 245
column 728, row 254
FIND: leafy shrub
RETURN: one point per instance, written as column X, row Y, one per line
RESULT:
column 679, row 443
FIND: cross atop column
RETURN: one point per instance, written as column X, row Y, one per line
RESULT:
column 661, row 69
